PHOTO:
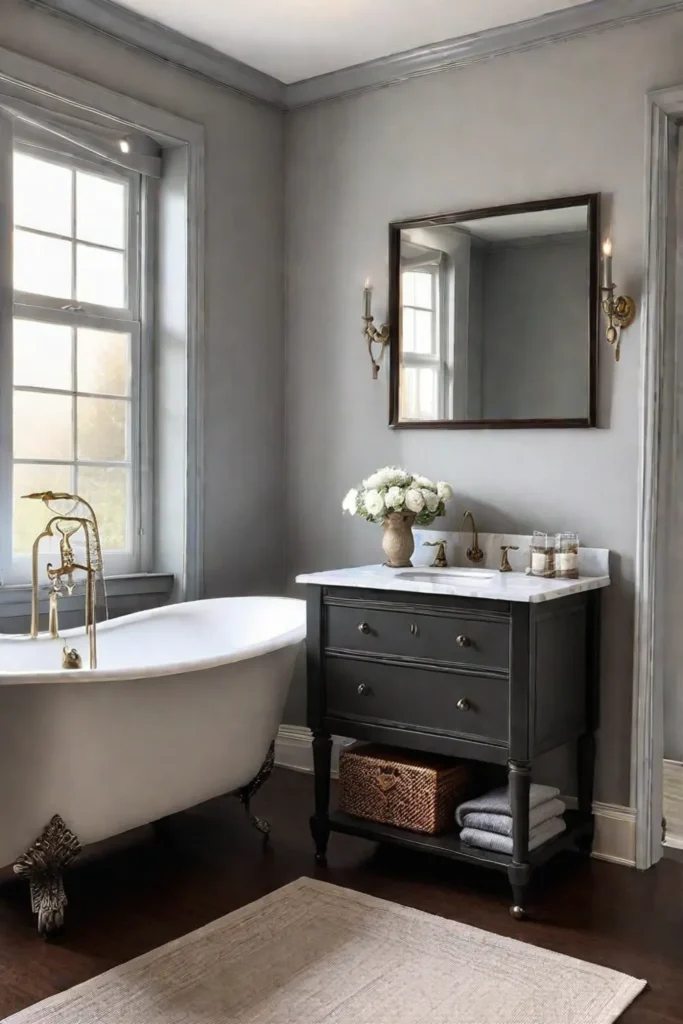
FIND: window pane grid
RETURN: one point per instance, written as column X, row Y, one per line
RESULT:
column 69, row 238
column 75, row 368
column 84, row 441
column 69, row 391
column 419, row 303
column 73, row 463
column 55, row 255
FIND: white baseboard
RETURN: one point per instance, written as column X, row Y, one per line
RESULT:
column 293, row 749
column 615, row 834
column 615, row 826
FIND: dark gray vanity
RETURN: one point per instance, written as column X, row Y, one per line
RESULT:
column 494, row 680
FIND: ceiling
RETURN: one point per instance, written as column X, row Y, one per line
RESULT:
column 297, row 39
column 530, row 224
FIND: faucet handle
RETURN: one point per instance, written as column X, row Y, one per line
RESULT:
column 505, row 562
column 440, row 560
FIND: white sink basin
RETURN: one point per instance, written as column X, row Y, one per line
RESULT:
column 445, row 575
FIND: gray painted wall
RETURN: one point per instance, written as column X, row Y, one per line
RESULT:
column 244, row 405
column 475, row 332
column 558, row 120
column 536, row 329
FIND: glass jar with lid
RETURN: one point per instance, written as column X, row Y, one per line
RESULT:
column 567, row 556
column 542, row 555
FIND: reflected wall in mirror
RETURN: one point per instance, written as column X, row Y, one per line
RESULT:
column 494, row 317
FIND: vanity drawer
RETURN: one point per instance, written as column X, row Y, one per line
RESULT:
column 453, row 639
column 463, row 705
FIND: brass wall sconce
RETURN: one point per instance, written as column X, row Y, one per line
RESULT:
column 373, row 335
column 619, row 310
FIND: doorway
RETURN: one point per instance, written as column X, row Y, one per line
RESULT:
column 659, row 597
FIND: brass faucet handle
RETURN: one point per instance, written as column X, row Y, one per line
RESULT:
column 505, row 562
column 440, row 561
column 71, row 658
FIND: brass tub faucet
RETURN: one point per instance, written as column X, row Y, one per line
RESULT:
column 474, row 553
column 72, row 514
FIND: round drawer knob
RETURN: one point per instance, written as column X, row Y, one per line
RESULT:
column 463, row 641
column 363, row 690
column 463, row 704
column 414, row 628
column 363, row 628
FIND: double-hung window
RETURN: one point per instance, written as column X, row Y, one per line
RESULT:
column 78, row 420
column 422, row 358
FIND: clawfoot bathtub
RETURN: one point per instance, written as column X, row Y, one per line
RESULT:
column 184, row 706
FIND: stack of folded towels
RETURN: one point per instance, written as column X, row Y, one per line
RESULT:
column 486, row 821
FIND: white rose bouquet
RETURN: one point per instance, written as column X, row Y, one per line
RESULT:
column 392, row 490
column 398, row 500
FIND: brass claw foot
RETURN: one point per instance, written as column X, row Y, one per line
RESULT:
column 48, row 902
column 248, row 792
column 260, row 824
column 42, row 865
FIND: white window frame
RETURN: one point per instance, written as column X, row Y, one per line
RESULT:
column 176, row 296
column 130, row 318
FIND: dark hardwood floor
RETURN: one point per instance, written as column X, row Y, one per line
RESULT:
column 143, row 890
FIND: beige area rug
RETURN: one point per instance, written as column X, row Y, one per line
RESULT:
column 312, row 953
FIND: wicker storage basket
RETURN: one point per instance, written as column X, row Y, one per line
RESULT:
column 407, row 789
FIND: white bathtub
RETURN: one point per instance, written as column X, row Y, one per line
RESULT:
column 183, row 707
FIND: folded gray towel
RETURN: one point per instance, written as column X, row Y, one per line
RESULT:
column 503, row 844
column 497, row 801
column 502, row 823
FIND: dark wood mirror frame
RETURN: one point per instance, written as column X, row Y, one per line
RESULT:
column 592, row 202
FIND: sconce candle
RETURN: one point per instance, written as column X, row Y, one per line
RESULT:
column 620, row 310
column 607, row 264
column 367, row 296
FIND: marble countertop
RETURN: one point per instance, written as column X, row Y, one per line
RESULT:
column 483, row 583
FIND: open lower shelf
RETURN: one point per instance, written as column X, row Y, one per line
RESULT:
column 579, row 827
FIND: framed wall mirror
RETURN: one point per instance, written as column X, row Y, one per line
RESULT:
column 494, row 317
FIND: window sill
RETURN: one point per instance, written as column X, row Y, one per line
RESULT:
column 149, row 588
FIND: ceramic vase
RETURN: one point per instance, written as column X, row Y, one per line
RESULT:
column 398, row 541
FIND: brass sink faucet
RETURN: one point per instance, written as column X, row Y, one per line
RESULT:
column 474, row 553
column 440, row 561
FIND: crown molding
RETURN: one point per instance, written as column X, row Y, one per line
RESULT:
column 142, row 33
column 135, row 30
column 453, row 53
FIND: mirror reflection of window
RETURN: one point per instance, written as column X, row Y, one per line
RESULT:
column 422, row 362
column 496, row 316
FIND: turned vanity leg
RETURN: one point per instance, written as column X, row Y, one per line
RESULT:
column 519, row 872
column 320, row 824
column 42, row 865
column 247, row 793
column 585, row 773
column 586, row 745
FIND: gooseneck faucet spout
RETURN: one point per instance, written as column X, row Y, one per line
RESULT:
column 474, row 553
